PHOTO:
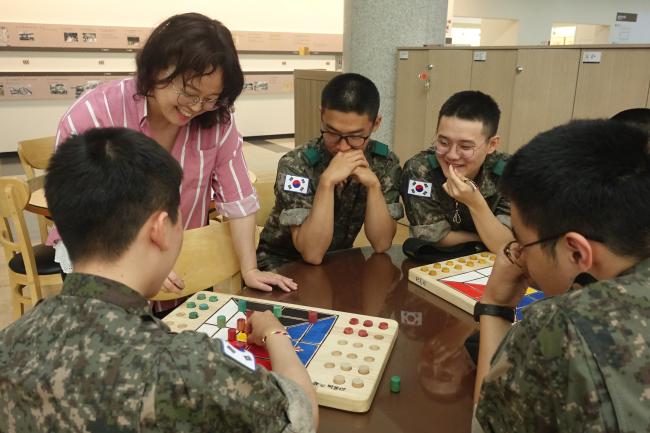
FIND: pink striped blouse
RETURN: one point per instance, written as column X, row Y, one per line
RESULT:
column 212, row 159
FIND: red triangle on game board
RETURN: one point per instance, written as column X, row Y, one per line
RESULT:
column 474, row 291
column 258, row 351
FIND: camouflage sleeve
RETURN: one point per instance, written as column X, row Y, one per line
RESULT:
column 299, row 411
column 390, row 178
column 543, row 378
column 201, row 388
column 295, row 205
column 502, row 211
column 425, row 214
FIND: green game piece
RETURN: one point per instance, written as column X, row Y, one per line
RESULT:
column 203, row 306
column 394, row 383
column 221, row 321
column 191, row 304
column 200, row 296
column 277, row 311
column 213, row 298
column 242, row 306
column 194, row 315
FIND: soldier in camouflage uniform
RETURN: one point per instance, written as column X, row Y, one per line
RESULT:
column 579, row 361
column 450, row 190
column 94, row 358
column 325, row 191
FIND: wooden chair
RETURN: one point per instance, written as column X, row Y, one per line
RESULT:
column 266, row 196
column 30, row 268
column 35, row 155
column 207, row 258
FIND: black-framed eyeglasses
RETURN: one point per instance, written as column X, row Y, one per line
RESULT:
column 513, row 250
column 185, row 99
column 354, row 141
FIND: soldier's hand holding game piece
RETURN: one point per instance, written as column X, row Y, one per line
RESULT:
column 261, row 324
column 342, row 165
column 463, row 190
column 508, row 281
column 173, row 283
column 260, row 280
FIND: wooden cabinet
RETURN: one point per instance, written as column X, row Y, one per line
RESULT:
column 544, row 89
column 536, row 88
column 308, row 86
column 619, row 81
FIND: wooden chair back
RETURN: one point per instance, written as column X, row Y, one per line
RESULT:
column 207, row 258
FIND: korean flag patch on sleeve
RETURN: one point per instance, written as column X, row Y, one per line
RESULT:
column 419, row 188
column 296, row 184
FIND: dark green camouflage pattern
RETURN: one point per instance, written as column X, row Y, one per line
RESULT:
column 94, row 359
column 579, row 362
column 431, row 217
column 292, row 208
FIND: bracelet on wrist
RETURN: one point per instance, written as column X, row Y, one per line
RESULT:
column 285, row 333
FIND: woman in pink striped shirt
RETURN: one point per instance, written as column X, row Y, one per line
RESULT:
column 187, row 79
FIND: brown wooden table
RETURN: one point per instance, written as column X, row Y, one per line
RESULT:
column 437, row 375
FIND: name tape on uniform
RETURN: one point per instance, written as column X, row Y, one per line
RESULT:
column 243, row 357
column 419, row 188
column 296, row 184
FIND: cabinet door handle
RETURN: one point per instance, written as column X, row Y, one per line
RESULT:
column 519, row 69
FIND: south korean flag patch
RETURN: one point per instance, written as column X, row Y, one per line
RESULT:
column 419, row 188
column 296, row 184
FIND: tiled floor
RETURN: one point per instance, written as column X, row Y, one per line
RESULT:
column 262, row 157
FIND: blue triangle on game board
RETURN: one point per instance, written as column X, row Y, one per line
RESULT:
column 306, row 352
column 319, row 330
column 297, row 331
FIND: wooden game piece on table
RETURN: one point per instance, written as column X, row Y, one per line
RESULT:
column 395, row 384
column 345, row 354
column 462, row 281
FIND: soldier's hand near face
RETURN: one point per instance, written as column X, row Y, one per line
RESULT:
column 462, row 190
column 342, row 165
column 366, row 177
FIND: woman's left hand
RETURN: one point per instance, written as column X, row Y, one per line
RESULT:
column 256, row 279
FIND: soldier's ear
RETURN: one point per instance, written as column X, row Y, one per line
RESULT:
column 377, row 123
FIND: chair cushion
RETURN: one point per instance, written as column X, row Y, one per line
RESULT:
column 44, row 257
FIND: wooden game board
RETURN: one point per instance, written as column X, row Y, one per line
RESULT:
column 345, row 354
column 461, row 281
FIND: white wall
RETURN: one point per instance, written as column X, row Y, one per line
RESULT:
column 536, row 17
column 255, row 114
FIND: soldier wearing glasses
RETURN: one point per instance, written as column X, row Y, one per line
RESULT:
column 187, row 79
column 326, row 190
column 450, row 189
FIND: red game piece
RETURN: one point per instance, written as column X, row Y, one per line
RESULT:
column 313, row 317
column 383, row 325
column 232, row 334
column 241, row 324
column 367, row 323
column 354, row 321
column 363, row 333
column 348, row 330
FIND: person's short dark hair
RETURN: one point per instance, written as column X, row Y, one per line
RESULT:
column 588, row 176
column 102, row 186
column 473, row 105
column 351, row 93
column 639, row 117
column 195, row 45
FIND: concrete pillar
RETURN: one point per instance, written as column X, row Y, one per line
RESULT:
column 372, row 31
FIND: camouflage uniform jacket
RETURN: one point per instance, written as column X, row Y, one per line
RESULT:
column 94, row 359
column 431, row 218
column 579, row 362
column 292, row 207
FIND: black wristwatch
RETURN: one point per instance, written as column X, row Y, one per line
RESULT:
column 506, row 313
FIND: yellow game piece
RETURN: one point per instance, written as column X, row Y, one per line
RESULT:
column 470, row 263
column 437, row 265
column 424, row 268
column 445, row 269
column 492, row 257
column 459, row 267
column 481, row 262
column 432, row 273
column 472, row 257
column 462, row 260
column 484, row 254
column 449, row 263
column 242, row 337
